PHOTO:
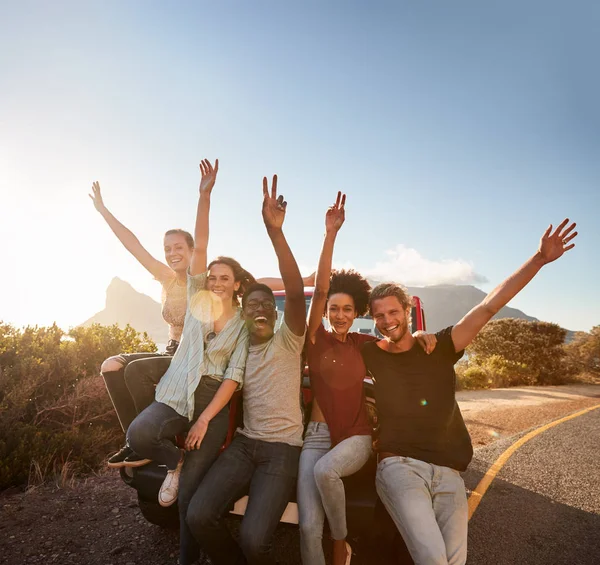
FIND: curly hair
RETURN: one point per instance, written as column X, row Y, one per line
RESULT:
column 354, row 284
column 239, row 275
column 384, row 290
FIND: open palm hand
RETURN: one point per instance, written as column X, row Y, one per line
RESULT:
column 209, row 176
column 96, row 196
column 554, row 245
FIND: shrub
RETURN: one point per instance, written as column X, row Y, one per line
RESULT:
column 55, row 413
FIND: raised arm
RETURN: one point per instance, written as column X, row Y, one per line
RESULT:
column 334, row 219
column 552, row 246
column 273, row 212
column 207, row 182
column 156, row 268
column 275, row 283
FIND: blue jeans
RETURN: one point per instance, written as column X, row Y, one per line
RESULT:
column 320, row 488
column 267, row 473
column 428, row 504
column 150, row 435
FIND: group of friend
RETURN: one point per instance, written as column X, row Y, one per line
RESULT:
column 222, row 338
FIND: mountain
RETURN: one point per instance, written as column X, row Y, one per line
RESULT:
column 444, row 305
column 125, row 305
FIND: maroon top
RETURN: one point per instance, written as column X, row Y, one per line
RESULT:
column 337, row 371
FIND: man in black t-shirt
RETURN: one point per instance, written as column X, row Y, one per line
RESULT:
column 423, row 439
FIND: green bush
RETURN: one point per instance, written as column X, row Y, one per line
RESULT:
column 471, row 378
column 55, row 414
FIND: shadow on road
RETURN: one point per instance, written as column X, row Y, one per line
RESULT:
column 515, row 525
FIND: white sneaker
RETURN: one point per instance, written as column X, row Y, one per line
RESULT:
column 167, row 494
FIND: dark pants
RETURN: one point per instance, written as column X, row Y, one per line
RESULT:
column 131, row 388
column 267, row 473
column 150, row 435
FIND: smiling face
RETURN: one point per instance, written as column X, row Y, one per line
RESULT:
column 340, row 313
column 178, row 253
column 221, row 281
column 260, row 315
column 391, row 319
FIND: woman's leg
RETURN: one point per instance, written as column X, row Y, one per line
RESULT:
column 197, row 463
column 141, row 378
column 149, row 435
column 346, row 458
column 113, row 373
column 311, row 516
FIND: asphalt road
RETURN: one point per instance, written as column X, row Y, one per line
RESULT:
column 543, row 508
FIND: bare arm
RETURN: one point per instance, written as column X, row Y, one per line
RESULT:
column 155, row 267
column 199, row 257
column 334, row 219
column 275, row 283
column 273, row 212
column 220, row 399
column 552, row 246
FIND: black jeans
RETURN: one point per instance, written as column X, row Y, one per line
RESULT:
column 150, row 435
column 131, row 388
column 265, row 471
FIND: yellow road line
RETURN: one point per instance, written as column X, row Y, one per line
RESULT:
column 487, row 479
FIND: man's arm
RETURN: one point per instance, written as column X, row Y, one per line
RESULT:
column 199, row 257
column 552, row 246
column 273, row 212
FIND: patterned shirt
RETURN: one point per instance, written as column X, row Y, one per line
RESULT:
column 199, row 356
column 174, row 305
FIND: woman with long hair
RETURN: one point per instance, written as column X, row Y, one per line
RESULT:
column 338, row 438
column 207, row 368
column 131, row 390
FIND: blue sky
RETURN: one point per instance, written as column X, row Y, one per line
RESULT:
column 459, row 132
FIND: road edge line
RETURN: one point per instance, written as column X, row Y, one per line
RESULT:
column 490, row 475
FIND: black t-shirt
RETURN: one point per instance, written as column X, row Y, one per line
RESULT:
column 417, row 410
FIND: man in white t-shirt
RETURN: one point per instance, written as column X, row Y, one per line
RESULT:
column 262, row 459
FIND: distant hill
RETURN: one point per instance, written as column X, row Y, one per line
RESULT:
column 125, row 305
column 444, row 305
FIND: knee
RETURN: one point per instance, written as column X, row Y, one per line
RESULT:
column 324, row 473
column 138, row 434
column 115, row 363
column 311, row 530
column 253, row 544
column 198, row 518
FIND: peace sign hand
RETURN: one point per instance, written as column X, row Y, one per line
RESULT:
column 336, row 214
column 553, row 246
column 209, row 176
column 273, row 209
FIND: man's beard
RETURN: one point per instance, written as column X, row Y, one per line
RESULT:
column 404, row 330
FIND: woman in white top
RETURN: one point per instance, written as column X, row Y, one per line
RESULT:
column 131, row 390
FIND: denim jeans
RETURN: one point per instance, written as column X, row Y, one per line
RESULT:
column 267, row 473
column 320, row 487
column 131, row 388
column 428, row 504
column 150, row 435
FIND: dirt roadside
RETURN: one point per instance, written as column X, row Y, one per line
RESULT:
column 97, row 521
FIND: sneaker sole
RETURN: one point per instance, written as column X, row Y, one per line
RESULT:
column 116, row 465
column 140, row 463
column 165, row 504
